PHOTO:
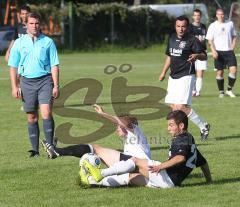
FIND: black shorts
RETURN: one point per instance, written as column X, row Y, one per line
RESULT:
column 225, row 59
column 124, row 157
column 36, row 91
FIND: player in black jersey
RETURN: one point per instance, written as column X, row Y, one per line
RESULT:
column 182, row 51
column 21, row 28
column 199, row 30
column 183, row 158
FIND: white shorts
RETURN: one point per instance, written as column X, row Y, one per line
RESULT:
column 179, row 91
column 201, row 65
column 160, row 180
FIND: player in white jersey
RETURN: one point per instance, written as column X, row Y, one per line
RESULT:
column 222, row 37
column 135, row 144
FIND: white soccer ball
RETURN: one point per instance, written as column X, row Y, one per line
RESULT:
column 93, row 159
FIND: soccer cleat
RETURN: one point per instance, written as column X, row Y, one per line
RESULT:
column 52, row 154
column 231, row 94
column 205, row 131
column 221, row 95
column 83, row 178
column 33, row 153
column 94, row 171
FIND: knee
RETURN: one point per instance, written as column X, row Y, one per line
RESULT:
column 32, row 118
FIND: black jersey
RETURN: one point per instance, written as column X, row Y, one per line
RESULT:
column 20, row 30
column 184, row 145
column 179, row 50
column 199, row 32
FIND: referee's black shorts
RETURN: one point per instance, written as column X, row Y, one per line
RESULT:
column 225, row 60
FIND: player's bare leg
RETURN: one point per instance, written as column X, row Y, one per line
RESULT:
column 108, row 156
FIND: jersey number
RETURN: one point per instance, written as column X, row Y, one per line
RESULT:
column 191, row 162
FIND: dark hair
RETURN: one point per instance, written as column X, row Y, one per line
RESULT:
column 35, row 16
column 179, row 117
column 129, row 120
column 25, row 8
column 182, row 18
column 197, row 11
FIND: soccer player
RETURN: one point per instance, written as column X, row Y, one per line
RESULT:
column 222, row 37
column 183, row 157
column 182, row 51
column 34, row 57
column 199, row 30
column 135, row 144
column 21, row 27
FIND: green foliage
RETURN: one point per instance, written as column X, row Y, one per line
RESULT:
column 138, row 27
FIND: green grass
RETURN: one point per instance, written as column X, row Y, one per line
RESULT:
column 43, row 182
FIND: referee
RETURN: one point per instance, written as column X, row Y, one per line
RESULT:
column 34, row 57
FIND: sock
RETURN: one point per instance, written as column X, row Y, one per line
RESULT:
column 33, row 131
column 220, row 83
column 231, row 81
column 196, row 119
column 199, row 83
column 119, row 168
column 112, row 181
column 75, row 150
column 48, row 128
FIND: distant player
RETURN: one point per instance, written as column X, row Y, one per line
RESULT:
column 182, row 51
column 21, row 27
column 199, row 30
column 183, row 158
column 222, row 39
column 135, row 144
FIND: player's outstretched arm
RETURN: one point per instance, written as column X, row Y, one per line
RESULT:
column 114, row 119
column 206, row 171
column 165, row 68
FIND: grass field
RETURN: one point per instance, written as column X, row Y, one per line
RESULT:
column 42, row 182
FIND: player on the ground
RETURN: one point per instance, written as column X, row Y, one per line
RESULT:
column 199, row 30
column 182, row 51
column 21, row 27
column 183, row 157
column 135, row 144
column 222, row 37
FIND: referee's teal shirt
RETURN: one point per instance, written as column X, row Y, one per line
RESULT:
column 33, row 59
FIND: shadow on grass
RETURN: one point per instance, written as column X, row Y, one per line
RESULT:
column 237, row 136
column 215, row 182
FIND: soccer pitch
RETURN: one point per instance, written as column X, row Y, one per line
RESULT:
column 43, row 182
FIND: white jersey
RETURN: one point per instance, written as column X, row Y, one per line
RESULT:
column 221, row 34
column 136, row 144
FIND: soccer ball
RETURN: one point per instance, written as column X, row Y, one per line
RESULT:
column 93, row 159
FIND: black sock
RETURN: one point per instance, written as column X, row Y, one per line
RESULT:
column 220, row 83
column 33, row 132
column 74, row 150
column 48, row 128
column 231, row 82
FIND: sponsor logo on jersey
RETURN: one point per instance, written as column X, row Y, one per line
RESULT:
column 182, row 44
